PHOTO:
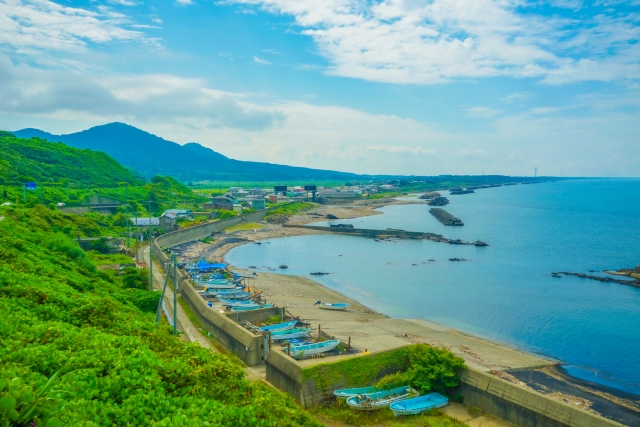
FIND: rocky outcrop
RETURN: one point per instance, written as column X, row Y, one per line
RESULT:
column 430, row 195
column 439, row 201
column 330, row 216
column 458, row 192
column 277, row 219
column 445, row 217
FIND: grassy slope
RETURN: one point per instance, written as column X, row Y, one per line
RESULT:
column 42, row 161
column 117, row 367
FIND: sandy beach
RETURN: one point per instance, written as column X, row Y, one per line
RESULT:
column 372, row 331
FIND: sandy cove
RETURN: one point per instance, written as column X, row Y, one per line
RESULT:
column 368, row 330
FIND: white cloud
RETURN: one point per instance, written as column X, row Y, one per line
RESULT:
column 123, row 2
column 184, row 2
column 32, row 26
column 482, row 112
column 261, row 61
column 434, row 41
column 272, row 51
column 392, row 149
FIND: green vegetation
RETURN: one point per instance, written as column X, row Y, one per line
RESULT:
column 243, row 226
column 382, row 195
column 101, row 259
column 338, row 413
column 79, row 346
column 421, row 366
column 292, row 208
column 24, row 160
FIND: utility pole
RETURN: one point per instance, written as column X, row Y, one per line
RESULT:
column 148, row 202
column 175, row 294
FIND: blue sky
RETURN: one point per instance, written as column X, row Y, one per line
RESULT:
column 395, row 86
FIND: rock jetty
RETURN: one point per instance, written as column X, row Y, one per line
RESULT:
column 634, row 283
column 459, row 192
column 439, row 201
column 445, row 217
column 430, row 195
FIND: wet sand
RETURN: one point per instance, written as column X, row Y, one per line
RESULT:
column 373, row 331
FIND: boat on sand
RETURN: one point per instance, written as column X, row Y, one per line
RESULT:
column 333, row 306
column 315, row 348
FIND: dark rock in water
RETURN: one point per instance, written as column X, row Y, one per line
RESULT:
column 414, row 264
column 480, row 243
column 318, row 273
column 252, row 266
column 283, row 266
column 458, row 259
column 431, row 260
column 456, row 242
column 459, row 192
column 430, row 195
column 329, row 216
column 341, row 225
column 257, row 243
column 439, row 201
column 445, row 217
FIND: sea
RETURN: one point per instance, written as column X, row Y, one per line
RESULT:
column 504, row 292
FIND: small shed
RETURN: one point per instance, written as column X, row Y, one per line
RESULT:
column 222, row 202
column 168, row 222
column 258, row 203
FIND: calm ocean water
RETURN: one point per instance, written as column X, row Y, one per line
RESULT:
column 503, row 292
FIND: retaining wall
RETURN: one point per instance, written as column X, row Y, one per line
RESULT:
column 518, row 405
column 249, row 347
column 256, row 316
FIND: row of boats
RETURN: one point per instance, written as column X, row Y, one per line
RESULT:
column 288, row 331
column 401, row 400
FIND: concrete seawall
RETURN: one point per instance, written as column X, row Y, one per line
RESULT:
column 249, row 347
column 515, row 404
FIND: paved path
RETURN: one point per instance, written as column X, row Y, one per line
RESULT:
column 191, row 332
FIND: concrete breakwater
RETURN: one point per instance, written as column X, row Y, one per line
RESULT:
column 635, row 283
column 445, row 217
column 402, row 234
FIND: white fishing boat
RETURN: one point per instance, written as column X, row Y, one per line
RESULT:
column 315, row 348
column 380, row 399
column 333, row 306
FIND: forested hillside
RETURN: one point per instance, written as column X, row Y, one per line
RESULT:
column 24, row 160
column 79, row 346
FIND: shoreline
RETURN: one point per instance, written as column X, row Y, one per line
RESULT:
column 375, row 331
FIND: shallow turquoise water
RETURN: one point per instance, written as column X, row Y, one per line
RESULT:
column 504, row 292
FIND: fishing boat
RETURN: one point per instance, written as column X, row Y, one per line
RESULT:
column 225, row 285
column 290, row 333
column 279, row 326
column 236, row 302
column 346, row 393
column 248, row 307
column 315, row 348
column 334, row 306
column 380, row 399
column 419, row 404
column 228, row 294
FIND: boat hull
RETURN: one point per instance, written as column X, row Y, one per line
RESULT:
column 279, row 327
column 326, row 306
column 290, row 333
column 316, row 348
column 380, row 399
column 418, row 405
column 346, row 393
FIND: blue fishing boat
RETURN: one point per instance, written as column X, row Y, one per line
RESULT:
column 419, row 404
column 248, row 307
column 290, row 333
column 237, row 302
column 346, row 393
column 214, row 286
column 315, row 348
column 380, row 399
column 279, row 326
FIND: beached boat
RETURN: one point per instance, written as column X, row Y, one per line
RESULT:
column 380, row 399
column 346, row 393
column 237, row 302
column 334, row 306
column 279, row 326
column 228, row 294
column 290, row 333
column 226, row 285
column 419, row 404
column 248, row 307
column 315, row 348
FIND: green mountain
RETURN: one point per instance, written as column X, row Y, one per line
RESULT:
column 152, row 155
column 35, row 159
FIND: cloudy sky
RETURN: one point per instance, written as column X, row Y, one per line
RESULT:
column 373, row 86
